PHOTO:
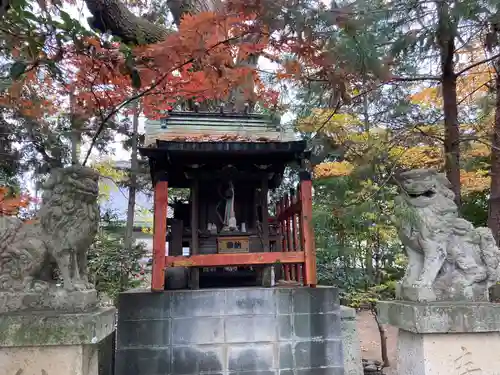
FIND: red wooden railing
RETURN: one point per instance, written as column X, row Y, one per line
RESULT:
column 294, row 214
column 297, row 256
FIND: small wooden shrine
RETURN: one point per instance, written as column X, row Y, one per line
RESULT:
column 229, row 162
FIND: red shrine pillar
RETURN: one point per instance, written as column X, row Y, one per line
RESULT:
column 159, row 232
column 308, row 244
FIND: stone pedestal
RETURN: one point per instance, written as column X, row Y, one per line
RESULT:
column 54, row 343
column 443, row 338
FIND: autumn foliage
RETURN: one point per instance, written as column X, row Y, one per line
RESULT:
column 196, row 62
column 333, row 169
column 10, row 205
column 203, row 60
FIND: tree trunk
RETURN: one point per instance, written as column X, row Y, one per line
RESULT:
column 75, row 147
column 366, row 114
column 76, row 133
column 369, row 265
column 446, row 40
column 383, row 340
column 179, row 8
column 376, row 258
column 114, row 16
column 494, row 203
column 132, row 189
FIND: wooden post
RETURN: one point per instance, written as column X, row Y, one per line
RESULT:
column 159, row 232
column 289, row 234
column 267, row 271
column 280, row 207
column 286, row 231
column 295, row 242
column 265, row 214
column 194, row 279
column 308, row 244
column 300, row 244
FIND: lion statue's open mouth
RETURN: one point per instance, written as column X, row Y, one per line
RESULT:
column 419, row 186
column 429, row 193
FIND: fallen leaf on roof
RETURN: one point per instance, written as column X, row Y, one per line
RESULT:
column 207, row 138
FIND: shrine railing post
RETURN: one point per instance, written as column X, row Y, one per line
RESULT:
column 306, row 224
column 159, row 232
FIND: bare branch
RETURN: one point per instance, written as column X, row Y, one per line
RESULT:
column 414, row 79
column 472, row 66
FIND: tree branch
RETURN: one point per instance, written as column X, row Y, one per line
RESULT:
column 472, row 66
column 414, row 79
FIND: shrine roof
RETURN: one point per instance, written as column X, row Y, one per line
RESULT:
column 216, row 127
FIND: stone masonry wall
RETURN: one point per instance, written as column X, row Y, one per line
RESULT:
column 244, row 331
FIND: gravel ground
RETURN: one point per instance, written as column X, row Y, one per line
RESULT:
column 370, row 340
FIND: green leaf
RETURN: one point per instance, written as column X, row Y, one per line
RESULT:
column 5, row 83
column 17, row 69
column 69, row 23
column 30, row 16
column 129, row 62
column 124, row 48
column 136, row 79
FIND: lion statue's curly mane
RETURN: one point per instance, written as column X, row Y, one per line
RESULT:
column 61, row 234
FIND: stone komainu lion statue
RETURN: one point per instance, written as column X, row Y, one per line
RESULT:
column 62, row 233
column 448, row 259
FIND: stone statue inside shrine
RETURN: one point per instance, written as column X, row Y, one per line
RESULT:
column 57, row 241
column 229, row 221
column 448, row 259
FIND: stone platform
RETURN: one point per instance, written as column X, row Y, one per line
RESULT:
column 246, row 331
column 443, row 338
column 52, row 299
column 55, row 343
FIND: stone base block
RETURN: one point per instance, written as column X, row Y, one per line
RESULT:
column 443, row 290
column 353, row 363
column 50, row 343
column 443, row 338
column 52, row 299
column 441, row 317
column 455, row 353
column 50, row 360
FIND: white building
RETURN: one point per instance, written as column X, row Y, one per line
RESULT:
column 117, row 203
